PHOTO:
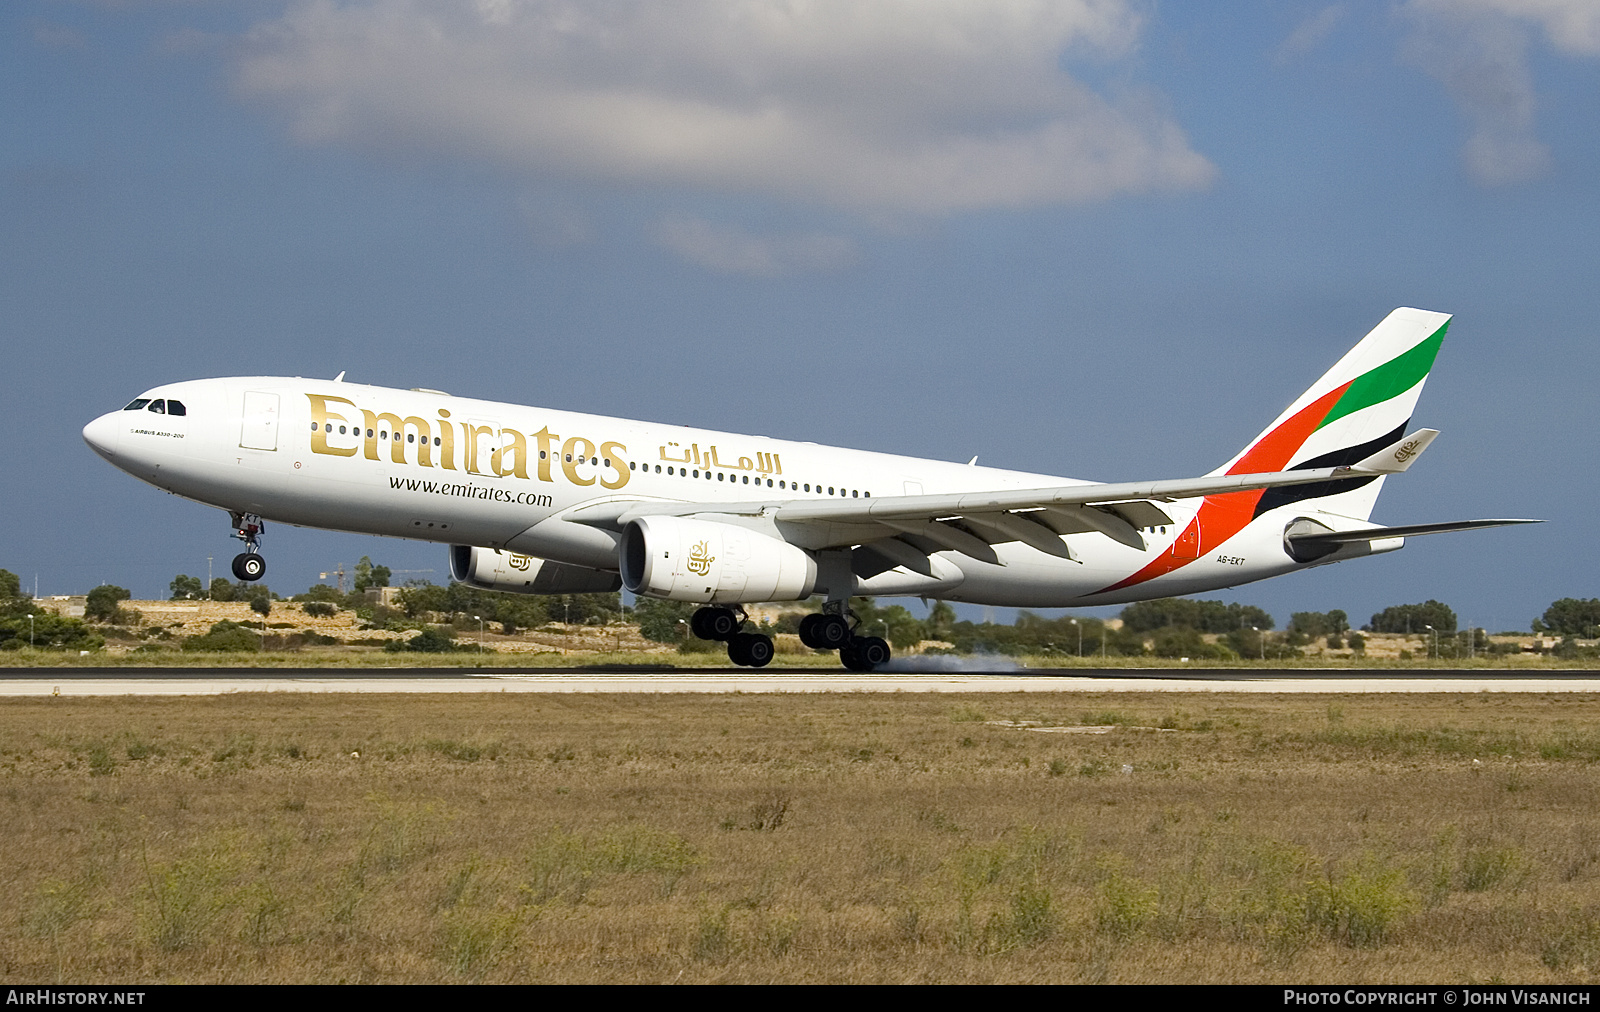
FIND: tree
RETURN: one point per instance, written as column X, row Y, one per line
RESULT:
column 894, row 623
column 1317, row 623
column 321, row 592
column 13, row 601
column 222, row 590
column 1206, row 616
column 659, row 621
column 101, row 605
column 1415, row 618
column 941, row 619
column 186, row 588
column 1572, row 616
column 368, row 575
column 261, row 604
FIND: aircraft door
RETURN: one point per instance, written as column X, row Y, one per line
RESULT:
column 1188, row 544
column 261, row 418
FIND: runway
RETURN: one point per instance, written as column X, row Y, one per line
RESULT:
column 223, row 681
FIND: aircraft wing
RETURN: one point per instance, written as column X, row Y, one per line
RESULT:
column 909, row 528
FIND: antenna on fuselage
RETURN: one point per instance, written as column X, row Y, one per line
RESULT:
column 339, row 378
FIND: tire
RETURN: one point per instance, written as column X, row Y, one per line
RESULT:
column 249, row 567
column 697, row 624
column 714, row 624
column 850, row 657
column 738, row 652
column 757, row 649
column 808, row 632
column 874, row 652
column 722, row 624
column 831, row 632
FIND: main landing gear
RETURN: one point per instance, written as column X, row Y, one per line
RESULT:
column 832, row 630
column 249, row 565
column 750, row 650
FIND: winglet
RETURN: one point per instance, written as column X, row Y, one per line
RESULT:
column 1397, row 456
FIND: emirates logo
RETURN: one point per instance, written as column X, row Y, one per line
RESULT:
column 700, row 559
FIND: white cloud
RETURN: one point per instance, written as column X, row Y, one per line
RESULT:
column 924, row 106
column 1478, row 50
column 729, row 250
column 1310, row 33
column 1572, row 26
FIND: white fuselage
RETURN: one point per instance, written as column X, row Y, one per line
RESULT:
column 429, row 466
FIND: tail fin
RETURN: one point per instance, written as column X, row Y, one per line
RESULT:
column 1357, row 408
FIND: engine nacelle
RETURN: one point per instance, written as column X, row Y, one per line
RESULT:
column 683, row 559
column 492, row 569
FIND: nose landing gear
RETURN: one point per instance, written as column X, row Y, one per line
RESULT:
column 749, row 650
column 249, row 565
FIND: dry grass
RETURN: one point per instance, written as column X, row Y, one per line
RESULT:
column 799, row 838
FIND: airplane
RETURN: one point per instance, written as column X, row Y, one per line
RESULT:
column 536, row 501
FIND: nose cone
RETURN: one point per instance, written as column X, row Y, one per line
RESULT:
column 101, row 435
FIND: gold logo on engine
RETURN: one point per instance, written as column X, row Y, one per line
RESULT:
column 700, row 559
column 521, row 562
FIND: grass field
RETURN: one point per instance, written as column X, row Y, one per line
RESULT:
column 582, row 838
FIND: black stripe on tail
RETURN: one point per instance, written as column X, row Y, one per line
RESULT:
column 1283, row 495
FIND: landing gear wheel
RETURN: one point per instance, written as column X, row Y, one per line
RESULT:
column 714, row 624
column 864, row 653
column 874, row 652
column 824, row 632
column 249, row 567
column 750, row 650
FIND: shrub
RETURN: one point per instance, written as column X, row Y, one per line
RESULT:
column 431, row 640
column 226, row 637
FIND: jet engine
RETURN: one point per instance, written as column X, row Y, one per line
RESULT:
column 492, row 569
column 684, row 559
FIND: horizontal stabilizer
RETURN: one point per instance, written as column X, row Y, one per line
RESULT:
column 1327, row 537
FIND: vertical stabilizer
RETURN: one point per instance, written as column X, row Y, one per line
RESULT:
column 1357, row 408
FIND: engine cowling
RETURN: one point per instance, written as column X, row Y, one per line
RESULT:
column 684, row 559
column 492, row 569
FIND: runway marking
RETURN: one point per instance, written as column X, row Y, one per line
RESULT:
column 199, row 684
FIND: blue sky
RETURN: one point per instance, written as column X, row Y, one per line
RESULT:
column 1107, row 240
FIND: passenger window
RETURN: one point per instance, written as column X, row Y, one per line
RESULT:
column 720, row 476
column 176, row 408
column 158, row 405
column 137, row 404
column 747, row 479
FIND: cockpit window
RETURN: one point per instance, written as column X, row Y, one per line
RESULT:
column 176, row 408
column 137, row 404
column 158, row 405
